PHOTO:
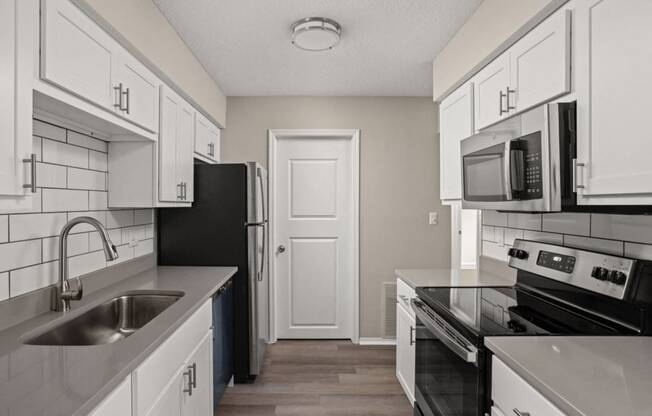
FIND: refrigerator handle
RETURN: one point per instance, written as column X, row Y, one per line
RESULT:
column 262, row 193
column 262, row 255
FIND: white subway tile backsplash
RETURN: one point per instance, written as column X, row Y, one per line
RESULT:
column 28, row 226
column 86, row 179
column 58, row 200
column 77, row 244
column 543, row 237
column 72, row 182
column 596, row 244
column 494, row 251
column 638, row 251
column 97, row 200
column 4, row 286
column 524, row 221
column 143, row 216
column 4, row 228
column 119, row 218
column 88, row 142
column 568, row 223
column 494, row 218
column 144, row 247
column 50, row 176
column 47, row 130
column 512, row 234
column 86, row 263
column 19, row 254
column 635, row 228
column 97, row 161
column 488, row 233
column 64, row 154
column 32, row 278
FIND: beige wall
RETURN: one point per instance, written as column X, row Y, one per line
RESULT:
column 490, row 25
column 142, row 24
column 399, row 177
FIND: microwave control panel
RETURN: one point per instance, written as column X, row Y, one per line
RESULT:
column 531, row 146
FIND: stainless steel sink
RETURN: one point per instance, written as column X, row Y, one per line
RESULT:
column 110, row 321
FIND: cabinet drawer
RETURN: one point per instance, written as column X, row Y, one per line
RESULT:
column 509, row 391
column 404, row 294
column 152, row 376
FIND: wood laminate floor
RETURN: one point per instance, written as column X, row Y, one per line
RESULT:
column 315, row 378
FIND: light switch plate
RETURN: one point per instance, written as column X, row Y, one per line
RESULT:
column 433, row 218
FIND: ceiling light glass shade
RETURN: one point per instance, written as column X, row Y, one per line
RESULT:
column 316, row 34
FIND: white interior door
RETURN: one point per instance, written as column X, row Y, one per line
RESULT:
column 315, row 243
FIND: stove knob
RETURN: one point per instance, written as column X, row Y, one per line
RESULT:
column 613, row 275
column 516, row 326
column 595, row 273
column 521, row 254
column 604, row 274
column 511, row 252
column 618, row 278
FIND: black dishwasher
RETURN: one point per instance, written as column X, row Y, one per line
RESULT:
column 222, row 340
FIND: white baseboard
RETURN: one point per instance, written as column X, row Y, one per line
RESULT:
column 376, row 341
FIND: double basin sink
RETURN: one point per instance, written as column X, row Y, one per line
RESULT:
column 108, row 322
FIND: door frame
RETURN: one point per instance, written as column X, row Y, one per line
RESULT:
column 273, row 136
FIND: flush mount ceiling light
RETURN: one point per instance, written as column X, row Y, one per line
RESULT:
column 316, row 34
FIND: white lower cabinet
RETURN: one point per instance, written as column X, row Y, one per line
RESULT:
column 405, row 339
column 513, row 395
column 117, row 403
column 177, row 378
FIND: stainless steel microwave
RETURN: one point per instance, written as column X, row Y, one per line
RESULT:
column 524, row 163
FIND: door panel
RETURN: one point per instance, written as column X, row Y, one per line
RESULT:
column 488, row 84
column 200, row 403
column 456, row 121
column 405, row 350
column 315, row 220
column 614, row 58
column 169, row 401
column 142, row 99
column 168, row 177
column 185, row 144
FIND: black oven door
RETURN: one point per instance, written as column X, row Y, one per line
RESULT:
column 449, row 369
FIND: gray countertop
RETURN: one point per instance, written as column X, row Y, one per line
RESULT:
column 584, row 376
column 64, row 381
column 451, row 278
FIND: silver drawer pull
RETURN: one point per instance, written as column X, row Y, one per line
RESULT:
column 118, row 90
column 31, row 186
column 509, row 91
column 519, row 413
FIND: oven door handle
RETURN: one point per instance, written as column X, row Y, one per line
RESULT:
column 468, row 354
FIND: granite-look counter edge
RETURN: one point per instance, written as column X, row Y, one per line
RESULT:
column 72, row 380
column 583, row 375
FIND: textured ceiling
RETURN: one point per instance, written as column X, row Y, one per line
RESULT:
column 387, row 46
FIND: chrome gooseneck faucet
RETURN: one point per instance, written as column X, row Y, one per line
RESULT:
column 63, row 293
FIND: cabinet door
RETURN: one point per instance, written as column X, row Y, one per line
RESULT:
column 137, row 93
column 207, row 138
column 405, row 351
column 168, row 402
column 169, row 182
column 456, row 123
column 214, row 142
column 200, row 369
column 540, row 63
column 118, row 402
column 613, row 63
column 489, row 92
column 75, row 53
column 17, row 42
column 185, row 145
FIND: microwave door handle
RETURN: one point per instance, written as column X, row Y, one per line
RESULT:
column 517, row 170
column 507, row 172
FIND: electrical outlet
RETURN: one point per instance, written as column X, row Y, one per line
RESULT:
column 433, row 218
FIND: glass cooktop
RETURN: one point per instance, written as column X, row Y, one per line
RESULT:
column 495, row 311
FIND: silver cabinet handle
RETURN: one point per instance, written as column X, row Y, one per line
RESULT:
column 412, row 330
column 127, row 95
column 32, row 160
column 577, row 175
column 509, row 91
column 180, row 190
column 189, row 388
column 184, row 190
column 519, row 413
column 500, row 103
column 281, row 249
column 118, row 90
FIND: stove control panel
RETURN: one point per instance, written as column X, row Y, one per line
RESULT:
column 598, row 272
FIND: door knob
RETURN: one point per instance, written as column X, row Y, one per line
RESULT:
column 281, row 249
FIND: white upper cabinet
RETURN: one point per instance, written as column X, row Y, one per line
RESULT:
column 614, row 86
column 17, row 42
column 534, row 70
column 207, row 140
column 136, row 91
column 76, row 54
column 176, row 142
column 540, row 63
column 490, row 92
column 456, row 123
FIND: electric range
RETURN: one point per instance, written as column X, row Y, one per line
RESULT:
column 559, row 291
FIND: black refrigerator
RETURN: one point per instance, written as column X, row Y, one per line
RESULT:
column 227, row 226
